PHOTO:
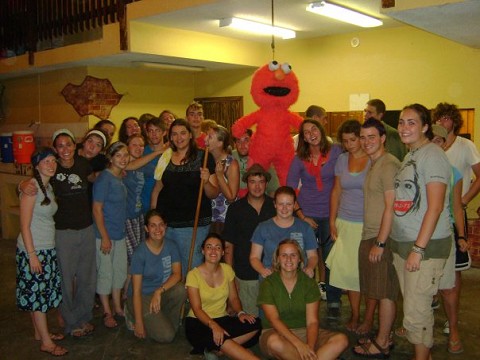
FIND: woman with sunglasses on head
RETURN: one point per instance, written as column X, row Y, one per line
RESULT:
column 227, row 172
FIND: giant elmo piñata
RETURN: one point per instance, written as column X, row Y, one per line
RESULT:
column 274, row 88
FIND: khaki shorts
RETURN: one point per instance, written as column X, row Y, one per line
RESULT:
column 301, row 333
column 418, row 288
column 111, row 267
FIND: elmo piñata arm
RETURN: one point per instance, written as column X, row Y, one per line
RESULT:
column 295, row 120
column 244, row 123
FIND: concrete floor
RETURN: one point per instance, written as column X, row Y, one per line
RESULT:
column 17, row 342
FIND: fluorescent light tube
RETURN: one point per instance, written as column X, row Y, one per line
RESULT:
column 343, row 14
column 258, row 28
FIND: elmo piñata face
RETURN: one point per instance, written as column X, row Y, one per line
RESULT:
column 274, row 85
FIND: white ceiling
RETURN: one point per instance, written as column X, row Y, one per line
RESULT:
column 458, row 20
column 287, row 13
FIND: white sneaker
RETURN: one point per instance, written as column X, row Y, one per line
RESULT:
column 446, row 328
column 323, row 290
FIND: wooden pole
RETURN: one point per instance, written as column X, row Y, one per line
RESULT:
column 197, row 215
column 194, row 232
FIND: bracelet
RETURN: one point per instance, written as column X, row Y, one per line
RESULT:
column 415, row 244
column 295, row 211
column 162, row 289
column 464, row 206
column 461, row 237
column 241, row 312
column 418, row 250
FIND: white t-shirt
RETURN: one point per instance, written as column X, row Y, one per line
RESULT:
column 463, row 154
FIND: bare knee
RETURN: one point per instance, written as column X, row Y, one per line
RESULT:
column 339, row 342
column 275, row 345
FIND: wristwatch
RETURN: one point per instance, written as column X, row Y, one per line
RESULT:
column 379, row 244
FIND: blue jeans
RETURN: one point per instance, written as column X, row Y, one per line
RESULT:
column 325, row 243
column 182, row 237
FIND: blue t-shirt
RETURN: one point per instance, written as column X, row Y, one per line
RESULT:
column 148, row 170
column 134, row 182
column 155, row 269
column 112, row 193
column 269, row 235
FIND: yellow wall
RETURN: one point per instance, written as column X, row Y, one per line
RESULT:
column 226, row 83
column 38, row 97
column 146, row 91
column 399, row 65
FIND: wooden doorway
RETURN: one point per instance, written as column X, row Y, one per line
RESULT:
column 224, row 110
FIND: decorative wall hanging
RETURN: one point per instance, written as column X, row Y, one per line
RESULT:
column 92, row 97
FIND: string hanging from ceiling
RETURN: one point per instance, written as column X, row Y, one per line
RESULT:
column 273, row 26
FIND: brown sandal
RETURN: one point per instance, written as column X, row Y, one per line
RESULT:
column 365, row 351
column 366, row 340
column 109, row 321
column 55, row 351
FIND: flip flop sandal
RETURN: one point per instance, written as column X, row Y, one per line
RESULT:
column 367, row 354
column 455, row 347
column 109, row 321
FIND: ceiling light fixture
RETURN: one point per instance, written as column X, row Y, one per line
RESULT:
column 343, row 14
column 256, row 27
